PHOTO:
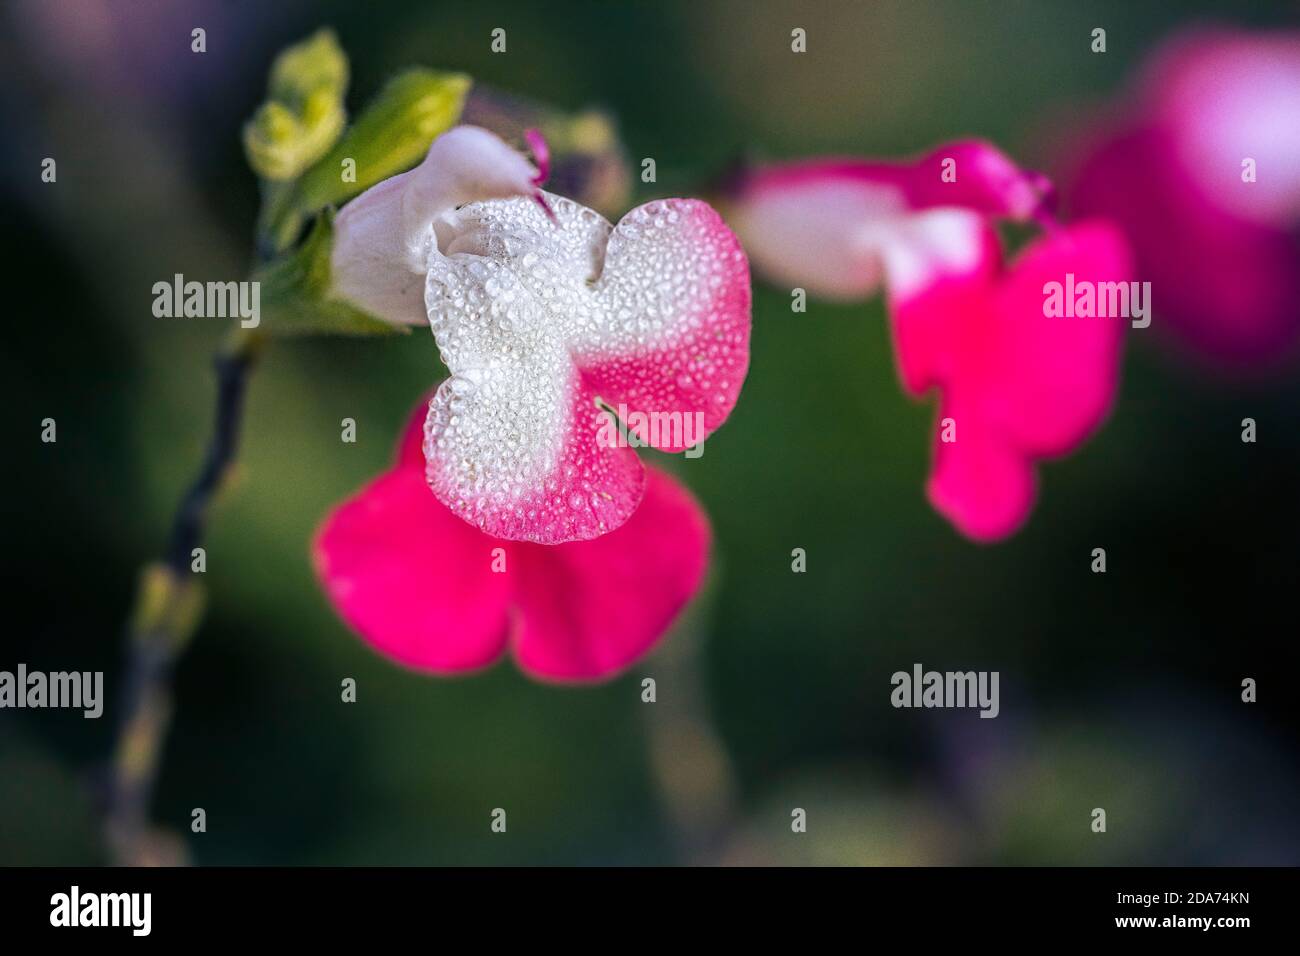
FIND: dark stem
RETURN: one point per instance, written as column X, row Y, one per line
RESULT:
column 168, row 606
column 189, row 524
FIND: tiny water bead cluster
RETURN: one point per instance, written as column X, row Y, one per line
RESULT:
column 540, row 311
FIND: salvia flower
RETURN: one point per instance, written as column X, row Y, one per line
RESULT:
column 1202, row 170
column 540, row 307
column 436, row 595
column 1015, row 385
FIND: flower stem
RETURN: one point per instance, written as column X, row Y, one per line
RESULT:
column 233, row 364
column 169, row 604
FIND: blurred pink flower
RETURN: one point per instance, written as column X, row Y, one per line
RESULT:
column 538, row 310
column 1016, row 385
column 1212, row 110
column 433, row 594
column 840, row 228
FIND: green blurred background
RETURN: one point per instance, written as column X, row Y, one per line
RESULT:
column 1118, row 690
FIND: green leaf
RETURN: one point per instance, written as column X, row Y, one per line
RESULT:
column 296, row 297
column 304, row 115
column 390, row 136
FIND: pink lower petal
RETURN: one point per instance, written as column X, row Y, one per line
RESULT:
column 931, row 316
column 412, row 579
column 979, row 482
column 589, row 609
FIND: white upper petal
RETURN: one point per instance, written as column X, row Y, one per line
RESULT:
column 382, row 238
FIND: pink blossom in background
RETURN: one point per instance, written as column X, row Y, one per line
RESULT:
column 419, row 585
column 1222, row 253
column 1016, row 385
column 538, row 310
column 839, row 228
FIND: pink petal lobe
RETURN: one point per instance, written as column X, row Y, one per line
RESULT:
column 412, row 579
column 1050, row 381
column 1017, row 384
column 590, row 609
column 980, row 483
column 672, row 351
column 931, row 300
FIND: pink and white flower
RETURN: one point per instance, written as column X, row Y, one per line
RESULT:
column 1015, row 385
column 540, row 308
column 432, row 593
column 1202, row 170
